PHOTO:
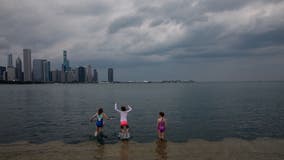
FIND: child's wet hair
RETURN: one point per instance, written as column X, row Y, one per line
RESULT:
column 162, row 114
column 100, row 111
column 123, row 108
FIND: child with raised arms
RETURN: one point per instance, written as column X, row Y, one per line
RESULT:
column 124, row 127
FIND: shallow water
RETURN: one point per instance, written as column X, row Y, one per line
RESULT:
column 259, row 149
column 211, row 111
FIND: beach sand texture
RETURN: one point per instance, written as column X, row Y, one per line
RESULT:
column 227, row 149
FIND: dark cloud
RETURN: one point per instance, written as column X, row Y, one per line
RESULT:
column 89, row 8
column 229, row 5
column 222, row 5
column 135, row 34
column 125, row 22
column 270, row 38
column 25, row 25
column 157, row 22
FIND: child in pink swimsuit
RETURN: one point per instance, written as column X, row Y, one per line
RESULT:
column 161, row 126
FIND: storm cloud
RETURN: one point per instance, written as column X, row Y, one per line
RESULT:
column 157, row 39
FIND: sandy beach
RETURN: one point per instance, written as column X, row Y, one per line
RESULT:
column 259, row 149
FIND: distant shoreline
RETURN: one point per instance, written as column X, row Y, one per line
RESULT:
column 102, row 82
column 136, row 82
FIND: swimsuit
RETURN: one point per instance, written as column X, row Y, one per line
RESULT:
column 123, row 116
column 100, row 121
column 162, row 126
column 123, row 123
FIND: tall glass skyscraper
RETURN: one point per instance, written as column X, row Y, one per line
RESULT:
column 27, row 64
column 65, row 65
column 110, row 75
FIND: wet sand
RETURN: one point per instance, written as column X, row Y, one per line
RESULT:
column 227, row 149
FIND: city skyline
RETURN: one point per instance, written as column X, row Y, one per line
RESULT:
column 217, row 40
column 40, row 71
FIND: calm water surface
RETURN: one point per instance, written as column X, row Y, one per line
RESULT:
column 211, row 111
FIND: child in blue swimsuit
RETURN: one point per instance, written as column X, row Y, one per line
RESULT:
column 161, row 126
column 100, row 115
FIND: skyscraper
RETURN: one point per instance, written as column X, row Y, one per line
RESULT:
column 75, row 74
column 2, row 73
column 27, row 64
column 89, row 73
column 38, row 70
column 10, row 60
column 95, row 76
column 11, row 73
column 72, row 76
column 46, row 71
column 63, row 76
column 19, row 73
column 65, row 65
column 110, row 75
column 81, row 74
column 56, row 76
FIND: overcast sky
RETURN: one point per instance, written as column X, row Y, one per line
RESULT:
column 203, row 40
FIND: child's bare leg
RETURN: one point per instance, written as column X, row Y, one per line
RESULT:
column 159, row 134
column 96, row 132
column 163, row 135
column 100, row 130
column 121, row 130
column 124, row 131
column 127, row 132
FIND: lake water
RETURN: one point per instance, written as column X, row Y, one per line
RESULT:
column 211, row 111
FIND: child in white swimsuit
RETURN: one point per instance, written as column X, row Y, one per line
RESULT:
column 123, row 118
